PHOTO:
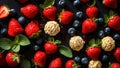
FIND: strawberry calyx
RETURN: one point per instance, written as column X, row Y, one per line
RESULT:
column 16, row 57
column 52, row 40
column 93, row 3
column 35, row 35
column 75, row 65
column 94, row 43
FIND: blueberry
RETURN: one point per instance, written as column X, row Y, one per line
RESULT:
column 36, row 47
column 61, row 3
column 79, row 14
column 39, row 41
column 13, row 12
column 84, row 60
column 105, row 58
column 101, row 34
column 71, row 31
column 116, row 37
column 76, row 23
column 77, row 59
column 107, row 30
column 76, row 2
column 100, row 21
column 3, row 31
column 22, row 19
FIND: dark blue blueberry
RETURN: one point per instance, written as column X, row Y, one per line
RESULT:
column 107, row 30
column 84, row 60
column 101, row 34
column 100, row 21
column 61, row 3
column 76, row 3
column 76, row 23
column 39, row 41
column 22, row 19
column 116, row 37
column 105, row 58
column 79, row 14
column 36, row 47
column 3, row 31
column 13, row 12
column 77, row 59
column 71, row 31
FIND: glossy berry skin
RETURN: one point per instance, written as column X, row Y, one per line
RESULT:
column 77, row 59
column 69, row 64
column 88, row 26
column 110, row 3
column 32, row 29
column 65, row 17
column 92, row 11
column 50, row 48
column 116, row 37
column 76, row 23
column 14, row 28
column 40, row 59
column 22, row 19
column 76, row 2
column 93, row 52
column 71, row 31
column 36, row 47
column 84, row 60
column 117, row 54
column 101, row 34
column 107, row 30
column 11, row 61
column 4, row 12
column 115, row 65
column 56, row 63
column 114, row 22
column 3, row 31
column 105, row 58
column 12, row 12
column 50, row 13
column 29, row 11
column 2, row 60
column 79, row 14
column 61, row 3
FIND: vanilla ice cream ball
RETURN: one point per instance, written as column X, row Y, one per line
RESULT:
column 52, row 28
column 95, row 64
column 108, row 44
column 76, row 43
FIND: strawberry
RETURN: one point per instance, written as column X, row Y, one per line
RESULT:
column 115, row 65
column 65, row 17
column 84, row 1
column 4, row 12
column 29, row 11
column 56, row 63
column 12, row 59
column 22, row 1
column 88, row 26
column 117, row 54
column 71, row 64
column 32, row 29
column 50, row 12
column 40, row 59
column 93, row 51
column 2, row 60
column 51, row 46
column 92, row 11
column 110, row 3
column 14, row 28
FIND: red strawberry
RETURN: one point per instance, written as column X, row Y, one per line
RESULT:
column 14, row 28
column 71, row 64
column 117, row 54
column 115, row 65
column 66, row 17
column 51, row 46
column 84, row 1
column 12, row 59
column 4, row 12
column 40, row 59
column 92, row 11
column 110, row 3
column 22, row 1
column 50, row 12
column 114, row 22
column 32, row 29
column 2, row 60
column 56, row 63
column 88, row 26
column 30, row 10
column 93, row 51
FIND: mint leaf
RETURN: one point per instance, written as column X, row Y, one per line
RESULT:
column 16, row 48
column 25, row 64
column 22, row 40
column 66, row 51
column 47, row 3
column 5, row 43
